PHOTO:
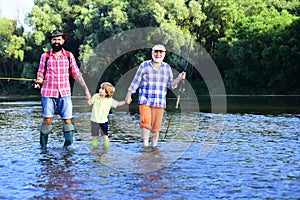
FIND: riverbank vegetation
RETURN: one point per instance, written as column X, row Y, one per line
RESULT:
column 255, row 44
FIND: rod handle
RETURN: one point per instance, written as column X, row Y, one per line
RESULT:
column 177, row 102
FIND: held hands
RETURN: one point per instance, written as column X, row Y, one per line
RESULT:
column 87, row 95
column 128, row 98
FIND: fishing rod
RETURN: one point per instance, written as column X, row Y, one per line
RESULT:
column 180, row 92
column 182, row 82
column 16, row 79
column 35, row 85
column 181, row 85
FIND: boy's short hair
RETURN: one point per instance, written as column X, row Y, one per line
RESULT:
column 109, row 89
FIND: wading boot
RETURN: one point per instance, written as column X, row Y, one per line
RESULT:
column 68, row 130
column 43, row 141
column 44, row 132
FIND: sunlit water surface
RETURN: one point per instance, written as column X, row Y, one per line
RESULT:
column 253, row 157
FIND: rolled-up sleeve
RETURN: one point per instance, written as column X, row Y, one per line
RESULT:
column 75, row 72
column 170, row 80
column 41, row 69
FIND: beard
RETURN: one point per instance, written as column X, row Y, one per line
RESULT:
column 158, row 60
column 57, row 47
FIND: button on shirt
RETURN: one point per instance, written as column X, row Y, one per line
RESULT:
column 57, row 74
column 152, row 83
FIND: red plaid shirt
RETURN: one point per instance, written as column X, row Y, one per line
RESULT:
column 57, row 74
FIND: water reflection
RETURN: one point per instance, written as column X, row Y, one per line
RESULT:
column 255, row 157
column 151, row 186
column 57, row 174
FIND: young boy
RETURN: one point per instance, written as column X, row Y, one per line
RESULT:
column 102, row 103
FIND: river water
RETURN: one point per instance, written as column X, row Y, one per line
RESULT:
column 201, row 155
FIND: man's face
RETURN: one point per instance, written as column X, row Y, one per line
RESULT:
column 57, row 40
column 158, row 55
column 57, row 43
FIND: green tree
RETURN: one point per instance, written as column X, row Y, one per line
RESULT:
column 241, row 49
column 12, row 49
column 241, row 36
column 281, row 59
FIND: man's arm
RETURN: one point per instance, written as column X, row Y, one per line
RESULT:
column 40, row 74
column 81, row 82
column 180, row 77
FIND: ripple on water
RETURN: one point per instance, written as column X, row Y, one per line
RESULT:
column 254, row 156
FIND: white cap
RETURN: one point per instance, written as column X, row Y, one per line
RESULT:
column 159, row 47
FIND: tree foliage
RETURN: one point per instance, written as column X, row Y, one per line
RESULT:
column 255, row 44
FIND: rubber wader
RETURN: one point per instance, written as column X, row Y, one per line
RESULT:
column 68, row 130
column 44, row 132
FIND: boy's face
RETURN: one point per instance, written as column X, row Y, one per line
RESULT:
column 102, row 92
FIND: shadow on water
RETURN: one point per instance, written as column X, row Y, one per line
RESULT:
column 256, row 156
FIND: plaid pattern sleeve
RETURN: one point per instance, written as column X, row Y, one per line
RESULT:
column 74, row 70
column 41, row 69
column 152, row 84
column 136, row 80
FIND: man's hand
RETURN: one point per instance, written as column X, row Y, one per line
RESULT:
column 181, row 76
column 39, row 80
column 87, row 95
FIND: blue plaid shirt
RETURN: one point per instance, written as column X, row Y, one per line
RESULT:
column 152, row 83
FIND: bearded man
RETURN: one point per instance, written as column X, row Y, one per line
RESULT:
column 56, row 67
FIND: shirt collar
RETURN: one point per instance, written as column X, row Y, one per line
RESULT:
column 152, row 65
